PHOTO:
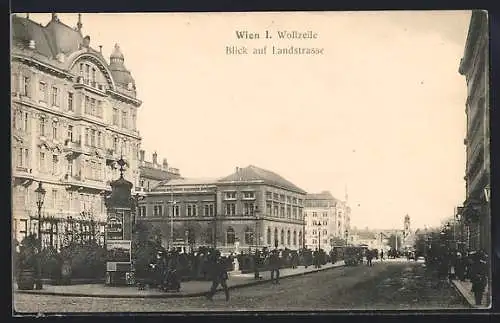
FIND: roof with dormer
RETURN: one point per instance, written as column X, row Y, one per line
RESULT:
column 56, row 39
column 254, row 173
column 325, row 195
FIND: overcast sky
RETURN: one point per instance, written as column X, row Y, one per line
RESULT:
column 381, row 112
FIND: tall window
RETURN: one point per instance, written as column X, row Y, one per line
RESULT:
column 288, row 237
column 55, row 96
column 93, row 77
column 42, row 126
column 157, row 210
column 275, row 235
column 115, row 144
column 87, row 74
column 248, row 236
column 134, row 121
column 41, row 162
column 300, row 238
column 124, row 119
column 55, row 162
column 282, row 240
column 230, row 208
column 70, row 132
column 294, row 237
column 142, row 211
column 99, row 138
column 87, row 105
column 92, row 138
column 230, row 236
column 115, row 116
column 25, row 86
column 249, row 208
column 93, row 107
column 176, row 210
column 268, row 235
column 26, row 121
column 289, row 211
column 42, row 87
column 87, row 139
column 20, row 157
column 54, row 130
column 70, row 101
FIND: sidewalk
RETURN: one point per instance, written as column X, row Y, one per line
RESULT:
column 188, row 289
column 464, row 288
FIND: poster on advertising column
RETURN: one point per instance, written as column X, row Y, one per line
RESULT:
column 119, row 251
column 114, row 226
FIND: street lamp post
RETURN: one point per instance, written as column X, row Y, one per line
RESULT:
column 40, row 195
column 303, row 231
column 257, row 231
column 346, row 235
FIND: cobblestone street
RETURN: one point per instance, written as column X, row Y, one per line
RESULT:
column 387, row 286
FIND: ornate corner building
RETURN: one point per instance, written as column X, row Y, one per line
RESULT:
column 474, row 66
column 73, row 115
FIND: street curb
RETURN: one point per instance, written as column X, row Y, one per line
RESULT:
column 453, row 283
column 470, row 301
column 169, row 295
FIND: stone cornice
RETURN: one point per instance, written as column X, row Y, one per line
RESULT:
column 31, row 61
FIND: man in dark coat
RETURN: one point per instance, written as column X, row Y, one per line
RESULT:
column 274, row 263
column 256, row 264
column 219, row 277
column 479, row 276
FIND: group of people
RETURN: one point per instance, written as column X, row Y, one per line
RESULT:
column 462, row 265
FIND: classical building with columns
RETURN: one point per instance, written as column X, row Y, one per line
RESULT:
column 474, row 66
column 73, row 115
column 326, row 221
column 252, row 207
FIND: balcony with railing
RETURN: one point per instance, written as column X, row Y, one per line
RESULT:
column 74, row 146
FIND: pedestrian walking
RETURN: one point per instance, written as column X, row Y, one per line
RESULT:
column 256, row 264
column 479, row 275
column 381, row 255
column 274, row 262
column 369, row 257
column 219, row 277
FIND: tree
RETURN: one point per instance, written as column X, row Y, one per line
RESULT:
column 392, row 242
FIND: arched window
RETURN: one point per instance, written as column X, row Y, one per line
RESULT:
column 230, row 237
column 248, row 236
column 300, row 239
column 294, row 237
column 268, row 236
column 275, row 235
column 282, row 240
column 288, row 237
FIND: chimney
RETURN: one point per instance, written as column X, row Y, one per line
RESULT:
column 155, row 158
column 141, row 155
column 165, row 163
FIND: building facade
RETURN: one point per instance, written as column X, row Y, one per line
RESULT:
column 474, row 66
column 250, row 208
column 326, row 221
column 152, row 173
column 73, row 115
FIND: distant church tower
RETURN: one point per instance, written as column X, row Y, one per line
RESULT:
column 407, row 226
